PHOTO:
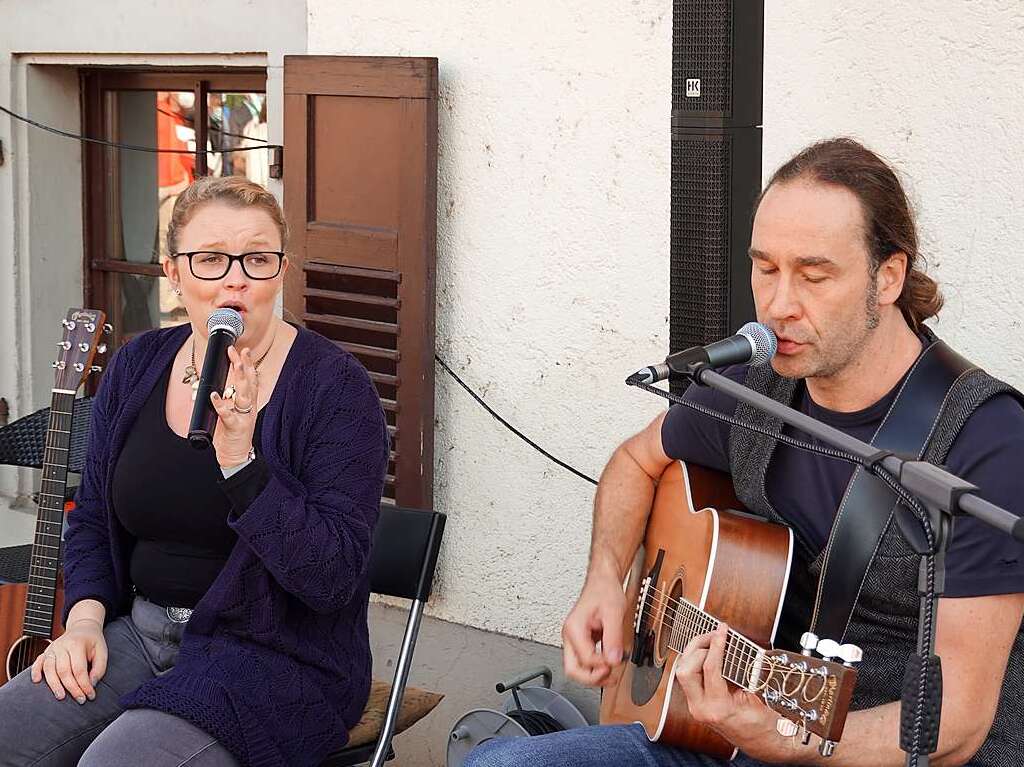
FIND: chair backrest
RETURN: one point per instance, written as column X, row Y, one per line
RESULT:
column 404, row 555
column 23, row 442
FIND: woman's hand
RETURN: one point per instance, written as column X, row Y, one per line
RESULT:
column 66, row 662
column 232, row 438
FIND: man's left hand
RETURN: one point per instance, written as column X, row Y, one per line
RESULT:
column 737, row 715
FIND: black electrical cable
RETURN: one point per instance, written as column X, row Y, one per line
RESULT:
column 131, row 147
column 210, row 128
column 510, row 427
column 535, row 722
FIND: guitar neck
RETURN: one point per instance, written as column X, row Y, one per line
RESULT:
column 45, row 559
column 742, row 658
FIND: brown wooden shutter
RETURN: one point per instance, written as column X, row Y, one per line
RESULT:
column 360, row 195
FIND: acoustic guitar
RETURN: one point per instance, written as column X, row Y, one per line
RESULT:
column 703, row 561
column 40, row 601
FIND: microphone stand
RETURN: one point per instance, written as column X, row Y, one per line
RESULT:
column 943, row 495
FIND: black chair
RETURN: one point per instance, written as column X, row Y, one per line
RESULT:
column 23, row 442
column 405, row 547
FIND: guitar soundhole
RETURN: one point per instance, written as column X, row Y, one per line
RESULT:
column 24, row 653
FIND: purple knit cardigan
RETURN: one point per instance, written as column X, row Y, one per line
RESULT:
column 275, row 661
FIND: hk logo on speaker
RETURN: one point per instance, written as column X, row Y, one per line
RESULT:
column 693, row 88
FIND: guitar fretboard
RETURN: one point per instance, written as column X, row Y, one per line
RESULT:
column 742, row 658
column 43, row 565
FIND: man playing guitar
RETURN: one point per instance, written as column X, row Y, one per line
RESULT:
column 836, row 274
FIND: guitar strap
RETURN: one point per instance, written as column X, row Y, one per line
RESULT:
column 868, row 505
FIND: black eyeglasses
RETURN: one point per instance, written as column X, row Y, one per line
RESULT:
column 213, row 265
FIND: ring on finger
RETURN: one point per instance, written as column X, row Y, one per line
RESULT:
column 50, row 654
column 229, row 392
column 242, row 410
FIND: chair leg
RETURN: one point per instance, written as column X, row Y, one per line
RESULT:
column 412, row 628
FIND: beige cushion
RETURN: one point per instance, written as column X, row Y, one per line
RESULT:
column 416, row 704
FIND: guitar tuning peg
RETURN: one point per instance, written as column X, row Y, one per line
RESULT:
column 806, row 738
column 83, row 347
column 69, row 324
column 101, row 349
column 79, row 367
column 850, row 654
column 59, row 364
column 808, row 641
column 828, row 649
column 827, row 747
column 787, row 728
column 95, row 369
column 90, row 327
column 108, row 328
column 65, row 345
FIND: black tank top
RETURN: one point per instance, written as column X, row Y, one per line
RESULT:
column 166, row 494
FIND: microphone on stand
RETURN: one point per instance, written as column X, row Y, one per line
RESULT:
column 223, row 327
column 754, row 344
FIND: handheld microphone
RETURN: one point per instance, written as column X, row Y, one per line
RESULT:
column 223, row 328
column 754, row 344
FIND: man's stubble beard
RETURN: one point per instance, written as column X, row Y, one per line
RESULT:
column 844, row 349
column 851, row 347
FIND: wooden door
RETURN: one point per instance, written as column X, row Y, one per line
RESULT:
column 360, row 196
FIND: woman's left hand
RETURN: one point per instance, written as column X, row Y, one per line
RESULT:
column 232, row 438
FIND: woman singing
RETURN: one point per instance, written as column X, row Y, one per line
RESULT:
column 215, row 600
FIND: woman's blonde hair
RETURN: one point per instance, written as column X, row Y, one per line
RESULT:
column 237, row 191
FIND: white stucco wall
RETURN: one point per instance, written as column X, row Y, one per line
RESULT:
column 553, row 207
column 553, row 214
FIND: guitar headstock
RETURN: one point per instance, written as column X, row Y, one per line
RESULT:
column 813, row 693
column 83, row 331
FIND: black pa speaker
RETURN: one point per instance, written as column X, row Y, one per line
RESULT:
column 717, row 83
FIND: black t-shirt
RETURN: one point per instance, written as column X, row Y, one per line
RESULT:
column 167, row 495
column 806, row 488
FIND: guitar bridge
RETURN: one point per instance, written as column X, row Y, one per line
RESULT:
column 643, row 638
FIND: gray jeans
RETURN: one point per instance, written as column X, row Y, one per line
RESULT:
column 37, row 730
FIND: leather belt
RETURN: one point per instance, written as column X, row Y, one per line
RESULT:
column 174, row 614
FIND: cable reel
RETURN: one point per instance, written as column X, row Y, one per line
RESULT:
column 529, row 711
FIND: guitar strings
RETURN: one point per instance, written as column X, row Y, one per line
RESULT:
column 743, row 651
column 740, row 658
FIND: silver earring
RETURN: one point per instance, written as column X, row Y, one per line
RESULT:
column 177, row 290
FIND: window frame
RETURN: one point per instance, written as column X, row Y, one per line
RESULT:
column 100, row 170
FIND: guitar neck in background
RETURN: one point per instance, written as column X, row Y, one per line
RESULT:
column 45, row 559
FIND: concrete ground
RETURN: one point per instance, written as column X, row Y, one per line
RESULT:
column 463, row 663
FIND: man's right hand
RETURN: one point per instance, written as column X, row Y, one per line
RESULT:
column 596, row 618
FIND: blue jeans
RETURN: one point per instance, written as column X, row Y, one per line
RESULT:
column 37, row 730
column 620, row 745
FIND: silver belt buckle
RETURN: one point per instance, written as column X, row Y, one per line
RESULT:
column 178, row 614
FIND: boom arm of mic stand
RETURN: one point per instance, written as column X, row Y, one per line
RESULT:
column 934, row 485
